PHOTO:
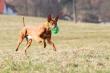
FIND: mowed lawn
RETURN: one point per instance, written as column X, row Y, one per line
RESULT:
column 81, row 48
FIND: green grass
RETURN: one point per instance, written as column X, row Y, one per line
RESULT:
column 81, row 48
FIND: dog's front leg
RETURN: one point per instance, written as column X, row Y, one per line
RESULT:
column 41, row 40
column 44, row 43
column 51, row 43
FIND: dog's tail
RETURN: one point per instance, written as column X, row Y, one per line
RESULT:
column 23, row 22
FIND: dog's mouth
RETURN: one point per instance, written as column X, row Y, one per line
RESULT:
column 53, row 26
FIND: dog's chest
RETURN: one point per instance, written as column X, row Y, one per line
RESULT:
column 46, row 34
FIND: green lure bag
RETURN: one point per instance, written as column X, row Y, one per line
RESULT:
column 55, row 30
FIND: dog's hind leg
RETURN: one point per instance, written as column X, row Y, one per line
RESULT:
column 19, row 42
column 28, row 44
column 26, row 39
column 21, row 38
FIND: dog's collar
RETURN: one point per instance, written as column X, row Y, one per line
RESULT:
column 47, row 25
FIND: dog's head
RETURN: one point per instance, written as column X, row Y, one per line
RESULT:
column 52, row 21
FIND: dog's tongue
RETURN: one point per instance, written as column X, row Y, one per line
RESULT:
column 55, row 30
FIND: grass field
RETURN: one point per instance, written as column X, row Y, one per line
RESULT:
column 81, row 48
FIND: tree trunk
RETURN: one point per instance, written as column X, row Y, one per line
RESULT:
column 74, row 11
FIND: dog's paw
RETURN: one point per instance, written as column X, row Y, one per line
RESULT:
column 16, row 50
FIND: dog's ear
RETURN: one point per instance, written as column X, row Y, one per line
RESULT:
column 56, row 19
column 49, row 18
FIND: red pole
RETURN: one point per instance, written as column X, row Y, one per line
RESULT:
column 2, row 5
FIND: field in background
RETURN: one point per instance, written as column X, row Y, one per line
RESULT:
column 81, row 48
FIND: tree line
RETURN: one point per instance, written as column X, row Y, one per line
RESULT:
column 78, row 10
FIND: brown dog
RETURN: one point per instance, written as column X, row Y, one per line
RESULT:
column 41, row 33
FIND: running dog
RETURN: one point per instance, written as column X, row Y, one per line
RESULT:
column 40, row 33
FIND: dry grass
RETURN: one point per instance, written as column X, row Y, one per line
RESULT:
column 81, row 48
